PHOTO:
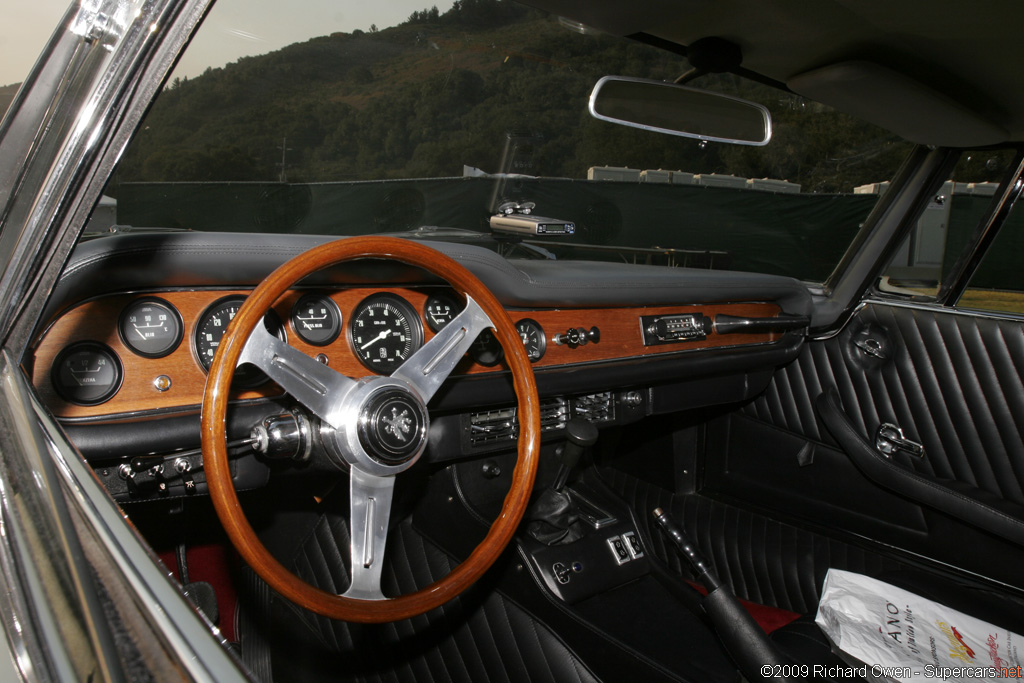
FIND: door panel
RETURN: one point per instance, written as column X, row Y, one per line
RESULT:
column 951, row 381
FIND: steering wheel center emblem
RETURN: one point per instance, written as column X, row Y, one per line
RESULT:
column 397, row 425
column 392, row 426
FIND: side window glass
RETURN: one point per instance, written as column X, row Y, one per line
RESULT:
column 927, row 256
column 998, row 283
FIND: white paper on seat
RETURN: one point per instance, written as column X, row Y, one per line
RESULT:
column 889, row 634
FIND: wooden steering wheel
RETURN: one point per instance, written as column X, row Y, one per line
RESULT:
column 375, row 427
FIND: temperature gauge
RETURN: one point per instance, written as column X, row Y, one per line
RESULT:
column 150, row 327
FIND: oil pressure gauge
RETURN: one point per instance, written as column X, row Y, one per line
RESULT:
column 316, row 319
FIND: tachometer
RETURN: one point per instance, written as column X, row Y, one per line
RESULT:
column 384, row 331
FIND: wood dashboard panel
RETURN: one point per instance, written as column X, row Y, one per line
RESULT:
column 97, row 321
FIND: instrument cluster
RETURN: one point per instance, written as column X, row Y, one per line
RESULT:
column 164, row 340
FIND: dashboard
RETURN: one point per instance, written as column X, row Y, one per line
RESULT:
column 125, row 354
column 122, row 355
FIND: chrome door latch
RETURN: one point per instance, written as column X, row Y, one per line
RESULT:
column 890, row 438
column 871, row 347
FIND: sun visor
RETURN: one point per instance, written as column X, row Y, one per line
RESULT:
column 898, row 103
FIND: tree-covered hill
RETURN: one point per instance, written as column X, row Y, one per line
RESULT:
column 441, row 91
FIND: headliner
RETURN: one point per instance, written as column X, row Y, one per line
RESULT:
column 963, row 62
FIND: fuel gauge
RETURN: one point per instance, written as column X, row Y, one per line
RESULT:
column 86, row 373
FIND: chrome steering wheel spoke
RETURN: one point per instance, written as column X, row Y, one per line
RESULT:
column 369, row 512
column 427, row 369
column 313, row 384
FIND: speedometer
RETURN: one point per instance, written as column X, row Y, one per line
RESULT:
column 384, row 331
column 210, row 330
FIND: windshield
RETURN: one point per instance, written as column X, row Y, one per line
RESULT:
column 428, row 123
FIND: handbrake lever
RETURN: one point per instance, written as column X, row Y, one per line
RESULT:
column 746, row 643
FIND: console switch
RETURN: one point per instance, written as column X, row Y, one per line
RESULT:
column 636, row 550
column 619, row 550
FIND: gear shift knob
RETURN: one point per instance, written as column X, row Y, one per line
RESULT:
column 579, row 435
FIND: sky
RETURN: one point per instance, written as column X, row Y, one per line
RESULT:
column 234, row 28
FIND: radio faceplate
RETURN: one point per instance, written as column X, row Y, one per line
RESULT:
column 670, row 329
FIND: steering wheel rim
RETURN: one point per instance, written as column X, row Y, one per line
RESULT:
column 215, row 459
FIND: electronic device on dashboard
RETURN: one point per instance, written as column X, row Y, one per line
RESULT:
column 517, row 219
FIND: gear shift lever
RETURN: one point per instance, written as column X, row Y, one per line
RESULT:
column 552, row 517
column 579, row 435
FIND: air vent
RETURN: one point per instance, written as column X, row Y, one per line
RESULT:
column 594, row 407
column 553, row 414
column 500, row 424
column 493, row 425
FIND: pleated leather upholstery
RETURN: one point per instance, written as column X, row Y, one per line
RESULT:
column 762, row 560
column 953, row 383
column 479, row 636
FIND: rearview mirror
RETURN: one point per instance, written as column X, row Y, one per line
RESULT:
column 679, row 110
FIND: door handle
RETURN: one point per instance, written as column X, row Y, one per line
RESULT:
column 890, row 438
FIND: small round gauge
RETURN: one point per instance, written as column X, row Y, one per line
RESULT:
column 150, row 327
column 210, row 330
column 384, row 331
column 86, row 373
column 486, row 350
column 440, row 309
column 533, row 337
column 316, row 319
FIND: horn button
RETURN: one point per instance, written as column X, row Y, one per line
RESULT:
column 392, row 426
